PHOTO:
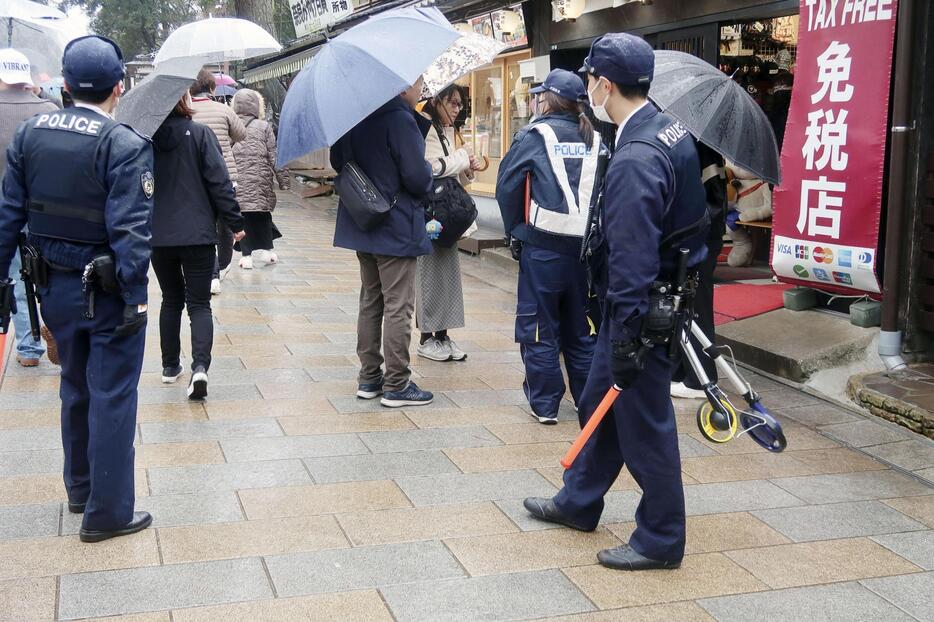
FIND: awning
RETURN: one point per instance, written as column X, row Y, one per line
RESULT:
column 289, row 64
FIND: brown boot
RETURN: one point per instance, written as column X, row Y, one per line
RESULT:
column 27, row 362
column 51, row 346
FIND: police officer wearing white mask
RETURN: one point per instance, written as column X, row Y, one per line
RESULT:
column 545, row 186
column 654, row 206
column 84, row 184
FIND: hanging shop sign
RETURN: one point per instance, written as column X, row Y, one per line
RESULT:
column 827, row 210
column 506, row 25
column 311, row 16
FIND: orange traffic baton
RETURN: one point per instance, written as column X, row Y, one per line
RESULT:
column 602, row 409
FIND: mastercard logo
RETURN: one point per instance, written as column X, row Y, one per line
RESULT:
column 822, row 255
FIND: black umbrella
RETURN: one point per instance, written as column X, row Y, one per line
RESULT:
column 147, row 104
column 717, row 111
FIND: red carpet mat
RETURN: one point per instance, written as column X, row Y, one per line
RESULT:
column 738, row 300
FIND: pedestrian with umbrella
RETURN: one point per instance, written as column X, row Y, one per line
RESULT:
column 359, row 92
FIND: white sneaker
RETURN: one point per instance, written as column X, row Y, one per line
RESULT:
column 273, row 258
column 261, row 258
column 198, row 388
column 215, row 286
column 246, row 262
column 679, row 390
column 456, row 353
column 434, row 350
column 223, row 273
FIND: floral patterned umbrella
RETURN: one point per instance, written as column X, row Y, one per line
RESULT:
column 470, row 51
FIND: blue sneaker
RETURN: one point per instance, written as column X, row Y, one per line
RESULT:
column 411, row 395
column 370, row 390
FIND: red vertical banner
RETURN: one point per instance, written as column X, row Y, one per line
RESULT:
column 827, row 209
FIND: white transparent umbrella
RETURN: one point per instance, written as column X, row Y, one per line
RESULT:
column 26, row 9
column 468, row 52
column 218, row 39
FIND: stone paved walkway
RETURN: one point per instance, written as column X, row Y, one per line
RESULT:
column 285, row 498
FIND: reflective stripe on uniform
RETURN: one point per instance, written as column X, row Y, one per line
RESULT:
column 575, row 221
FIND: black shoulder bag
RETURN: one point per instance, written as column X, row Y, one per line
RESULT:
column 449, row 204
column 360, row 197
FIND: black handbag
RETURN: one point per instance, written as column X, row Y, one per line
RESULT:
column 449, row 204
column 363, row 201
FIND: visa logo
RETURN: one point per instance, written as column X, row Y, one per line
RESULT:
column 784, row 249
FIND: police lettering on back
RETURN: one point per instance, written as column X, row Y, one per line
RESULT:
column 571, row 150
column 69, row 122
column 672, row 134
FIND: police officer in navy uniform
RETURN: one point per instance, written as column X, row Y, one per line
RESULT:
column 654, row 205
column 558, row 154
column 83, row 182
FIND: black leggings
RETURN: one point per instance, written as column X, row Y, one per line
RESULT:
column 184, row 275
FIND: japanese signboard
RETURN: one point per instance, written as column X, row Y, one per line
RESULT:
column 827, row 210
column 310, row 16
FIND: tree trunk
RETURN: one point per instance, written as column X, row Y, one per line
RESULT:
column 262, row 12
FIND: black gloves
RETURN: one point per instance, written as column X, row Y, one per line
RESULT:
column 515, row 248
column 626, row 362
column 134, row 320
column 7, row 304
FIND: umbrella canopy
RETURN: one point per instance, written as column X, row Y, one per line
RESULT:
column 219, row 39
column 41, row 40
column 147, row 104
column 356, row 73
column 222, row 79
column 26, row 9
column 717, row 111
column 469, row 51
column 225, row 90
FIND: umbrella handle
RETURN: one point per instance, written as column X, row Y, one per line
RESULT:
column 602, row 409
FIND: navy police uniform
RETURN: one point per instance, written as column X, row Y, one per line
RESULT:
column 654, row 204
column 83, row 183
column 552, row 313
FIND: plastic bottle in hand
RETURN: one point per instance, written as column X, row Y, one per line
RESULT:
column 433, row 227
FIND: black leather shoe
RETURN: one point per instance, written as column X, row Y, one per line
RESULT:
column 140, row 521
column 76, row 508
column 546, row 510
column 625, row 558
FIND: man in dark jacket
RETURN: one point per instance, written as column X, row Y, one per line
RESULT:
column 390, row 149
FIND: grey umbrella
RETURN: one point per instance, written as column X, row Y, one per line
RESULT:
column 147, row 104
column 717, row 111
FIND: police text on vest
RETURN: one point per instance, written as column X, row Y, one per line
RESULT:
column 70, row 122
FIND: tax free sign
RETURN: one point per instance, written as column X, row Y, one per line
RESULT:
column 827, row 210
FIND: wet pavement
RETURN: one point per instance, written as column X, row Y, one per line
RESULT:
column 283, row 497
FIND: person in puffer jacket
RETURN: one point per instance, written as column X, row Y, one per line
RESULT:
column 256, row 164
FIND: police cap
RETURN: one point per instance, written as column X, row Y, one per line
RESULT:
column 92, row 63
column 621, row 58
column 564, row 84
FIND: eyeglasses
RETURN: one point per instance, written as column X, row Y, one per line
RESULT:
column 456, row 104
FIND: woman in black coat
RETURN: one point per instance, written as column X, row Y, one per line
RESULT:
column 193, row 190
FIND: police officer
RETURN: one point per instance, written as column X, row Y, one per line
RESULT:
column 83, row 183
column 558, row 155
column 654, row 205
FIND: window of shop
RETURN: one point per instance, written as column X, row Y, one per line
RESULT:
column 498, row 108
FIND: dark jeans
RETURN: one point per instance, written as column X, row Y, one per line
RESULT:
column 184, row 274
column 224, row 249
column 258, row 227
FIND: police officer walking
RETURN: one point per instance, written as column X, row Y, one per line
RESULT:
column 544, row 189
column 654, row 205
column 83, row 183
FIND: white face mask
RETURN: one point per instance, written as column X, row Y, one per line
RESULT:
column 599, row 111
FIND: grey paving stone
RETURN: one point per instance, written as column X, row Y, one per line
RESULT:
column 252, row 449
column 913, row 593
column 432, row 438
column 253, row 376
column 295, row 574
column 843, row 602
column 379, row 466
column 917, row 547
column 17, row 401
column 157, row 588
column 347, row 404
column 13, row 463
column 480, row 398
column 813, row 416
column 853, row 486
column 735, row 497
column 837, row 520
column 517, row 596
column 310, row 349
column 27, row 439
column 175, row 510
column 466, row 488
column 177, row 394
column 347, row 372
column 214, row 477
column 927, row 475
column 910, row 455
column 620, row 507
column 865, row 433
column 693, row 448
column 29, row 521
column 186, row 431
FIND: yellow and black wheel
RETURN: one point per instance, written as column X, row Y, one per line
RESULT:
column 717, row 427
